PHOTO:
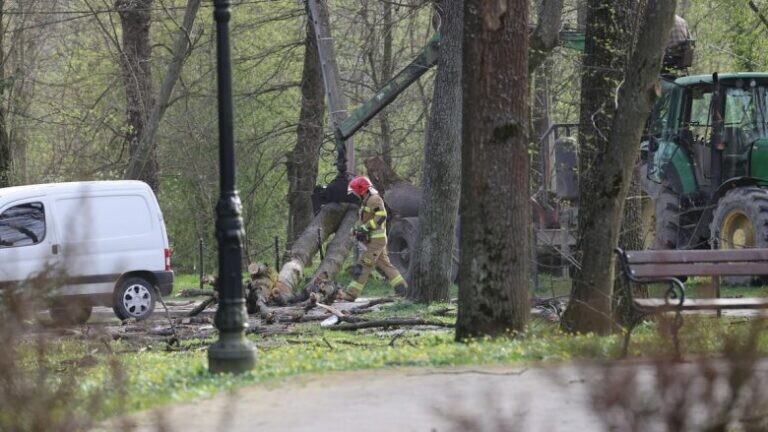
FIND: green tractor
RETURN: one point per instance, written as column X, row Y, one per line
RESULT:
column 706, row 162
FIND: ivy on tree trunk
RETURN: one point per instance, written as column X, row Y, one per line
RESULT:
column 616, row 98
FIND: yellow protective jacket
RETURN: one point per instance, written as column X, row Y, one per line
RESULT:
column 373, row 216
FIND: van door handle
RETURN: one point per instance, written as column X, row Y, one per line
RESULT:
column 55, row 249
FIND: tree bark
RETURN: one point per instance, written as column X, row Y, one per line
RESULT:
column 432, row 266
column 145, row 158
column 609, row 161
column 6, row 155
column 386, row 74
column 631, row 237
column 135, row 53
column 305, row 247
column 547, row 33
column 302, row 163
column 336, row 254
column 495, row 207
column 338, row 249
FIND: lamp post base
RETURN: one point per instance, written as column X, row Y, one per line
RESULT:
column 233, row 353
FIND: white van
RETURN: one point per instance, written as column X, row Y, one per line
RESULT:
column 91, row 243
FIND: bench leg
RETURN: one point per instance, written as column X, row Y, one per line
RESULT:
column 635, row 321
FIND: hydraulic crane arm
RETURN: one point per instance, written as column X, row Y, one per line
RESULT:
column 426, row 59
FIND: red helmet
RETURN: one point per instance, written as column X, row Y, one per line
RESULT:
column 359, row 185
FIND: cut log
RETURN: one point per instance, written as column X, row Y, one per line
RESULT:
column 402, row 197
column 304, row 248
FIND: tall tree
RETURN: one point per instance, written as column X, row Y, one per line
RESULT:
column 135, row 53
column 546, row 35
column 610, row 130
column 302, row 163
column 495, row 207
column 387, row 67
column 5, row 142
column 431, row 267
column 143, row 164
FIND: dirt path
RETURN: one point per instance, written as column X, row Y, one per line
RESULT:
column 538, row 399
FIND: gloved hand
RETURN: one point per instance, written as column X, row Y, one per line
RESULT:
column 361, row 234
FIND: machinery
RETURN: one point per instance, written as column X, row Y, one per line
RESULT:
column 706, row 162
column 705, row 156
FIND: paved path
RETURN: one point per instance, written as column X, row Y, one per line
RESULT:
column 537, row 399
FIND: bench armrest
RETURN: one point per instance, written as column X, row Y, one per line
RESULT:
column 676, row 290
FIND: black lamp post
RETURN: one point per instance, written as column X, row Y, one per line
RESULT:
column 232, row 352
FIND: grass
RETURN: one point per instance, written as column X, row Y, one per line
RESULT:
column 151, row 376
column 155, row 377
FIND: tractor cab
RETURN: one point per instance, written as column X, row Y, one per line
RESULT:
column 707, row 137
column 701, row 136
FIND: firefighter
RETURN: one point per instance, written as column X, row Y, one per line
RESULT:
column 370, row 231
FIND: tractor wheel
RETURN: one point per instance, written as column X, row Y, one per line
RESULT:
column 401, row 243
column 667, row 218
column 740, row 222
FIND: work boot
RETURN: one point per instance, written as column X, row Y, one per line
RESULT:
column 349, row 294
column 400, row 290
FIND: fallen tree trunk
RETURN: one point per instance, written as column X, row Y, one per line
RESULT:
column 335, row 255
column 304, row 248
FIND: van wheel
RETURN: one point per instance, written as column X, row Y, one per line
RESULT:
column 134, row 298
column 69, row 311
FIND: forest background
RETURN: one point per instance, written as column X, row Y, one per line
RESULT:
column 64, row 116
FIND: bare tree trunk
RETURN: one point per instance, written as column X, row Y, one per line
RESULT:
column 581, row 15
column 386, row 75
column 495, row 207
column 609, row 162
column 631, row 237
column 143, row 163
column 431, row 267
column 135, row 52
column 547, row 34
column 302, row 163
column 540, row 121
column 604, row 65
column 5, row 144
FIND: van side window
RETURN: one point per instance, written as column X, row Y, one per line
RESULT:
column 22, row 225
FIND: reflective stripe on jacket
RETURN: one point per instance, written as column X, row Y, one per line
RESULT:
column 373, row 215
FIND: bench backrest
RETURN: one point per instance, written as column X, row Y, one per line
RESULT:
column 664, row 263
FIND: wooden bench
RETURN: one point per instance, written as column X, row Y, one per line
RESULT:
column 659, row 266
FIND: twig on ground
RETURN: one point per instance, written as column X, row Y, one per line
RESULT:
column 331, row 309
column 397, row 336
column 202, row 306
column 175, row 339
column 443, row 311
column 329, row 344
column 362, row 308
column 195, row 292
column 390, row 322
